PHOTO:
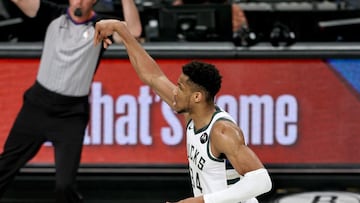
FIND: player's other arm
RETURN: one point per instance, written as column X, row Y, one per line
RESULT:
column 28, row 7
column 227, row 139
column 147, row 69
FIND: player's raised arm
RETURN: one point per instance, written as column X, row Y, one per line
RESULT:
column 147, row 69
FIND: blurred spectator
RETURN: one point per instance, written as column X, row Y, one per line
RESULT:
column 242, row 35
column 239, row 20
column 20, row 24
column 3, row 12
column 352, row 4
column 16, row 30
column 104, row 6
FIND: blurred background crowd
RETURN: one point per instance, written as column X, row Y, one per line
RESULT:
column 252, row 21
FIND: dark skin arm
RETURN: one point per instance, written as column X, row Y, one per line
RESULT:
column 227, row 139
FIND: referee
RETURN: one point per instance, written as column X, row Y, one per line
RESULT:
column 55, row 108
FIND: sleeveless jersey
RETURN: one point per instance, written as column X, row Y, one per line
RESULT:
column 208, row 174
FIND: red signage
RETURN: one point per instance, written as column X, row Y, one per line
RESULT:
column 291, row 111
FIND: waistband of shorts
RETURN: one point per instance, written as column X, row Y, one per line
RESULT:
column 40, row 93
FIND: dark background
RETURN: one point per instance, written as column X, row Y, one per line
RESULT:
column 304, row 23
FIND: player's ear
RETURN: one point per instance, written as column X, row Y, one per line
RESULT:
column 198, row 96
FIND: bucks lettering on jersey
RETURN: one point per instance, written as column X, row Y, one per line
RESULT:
column 208, row 173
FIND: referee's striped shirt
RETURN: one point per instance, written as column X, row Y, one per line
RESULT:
column 69, row 58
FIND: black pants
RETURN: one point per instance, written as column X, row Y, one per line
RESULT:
column 47, row 116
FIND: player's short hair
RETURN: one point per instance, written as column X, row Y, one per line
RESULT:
column 204, row 75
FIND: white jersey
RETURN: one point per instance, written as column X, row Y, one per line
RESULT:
column 208, row 173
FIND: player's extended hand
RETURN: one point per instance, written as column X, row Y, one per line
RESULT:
column 104, row 29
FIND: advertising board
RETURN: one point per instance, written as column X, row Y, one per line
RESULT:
column 292, row 111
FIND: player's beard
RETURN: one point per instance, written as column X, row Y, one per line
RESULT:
column 181, row 111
